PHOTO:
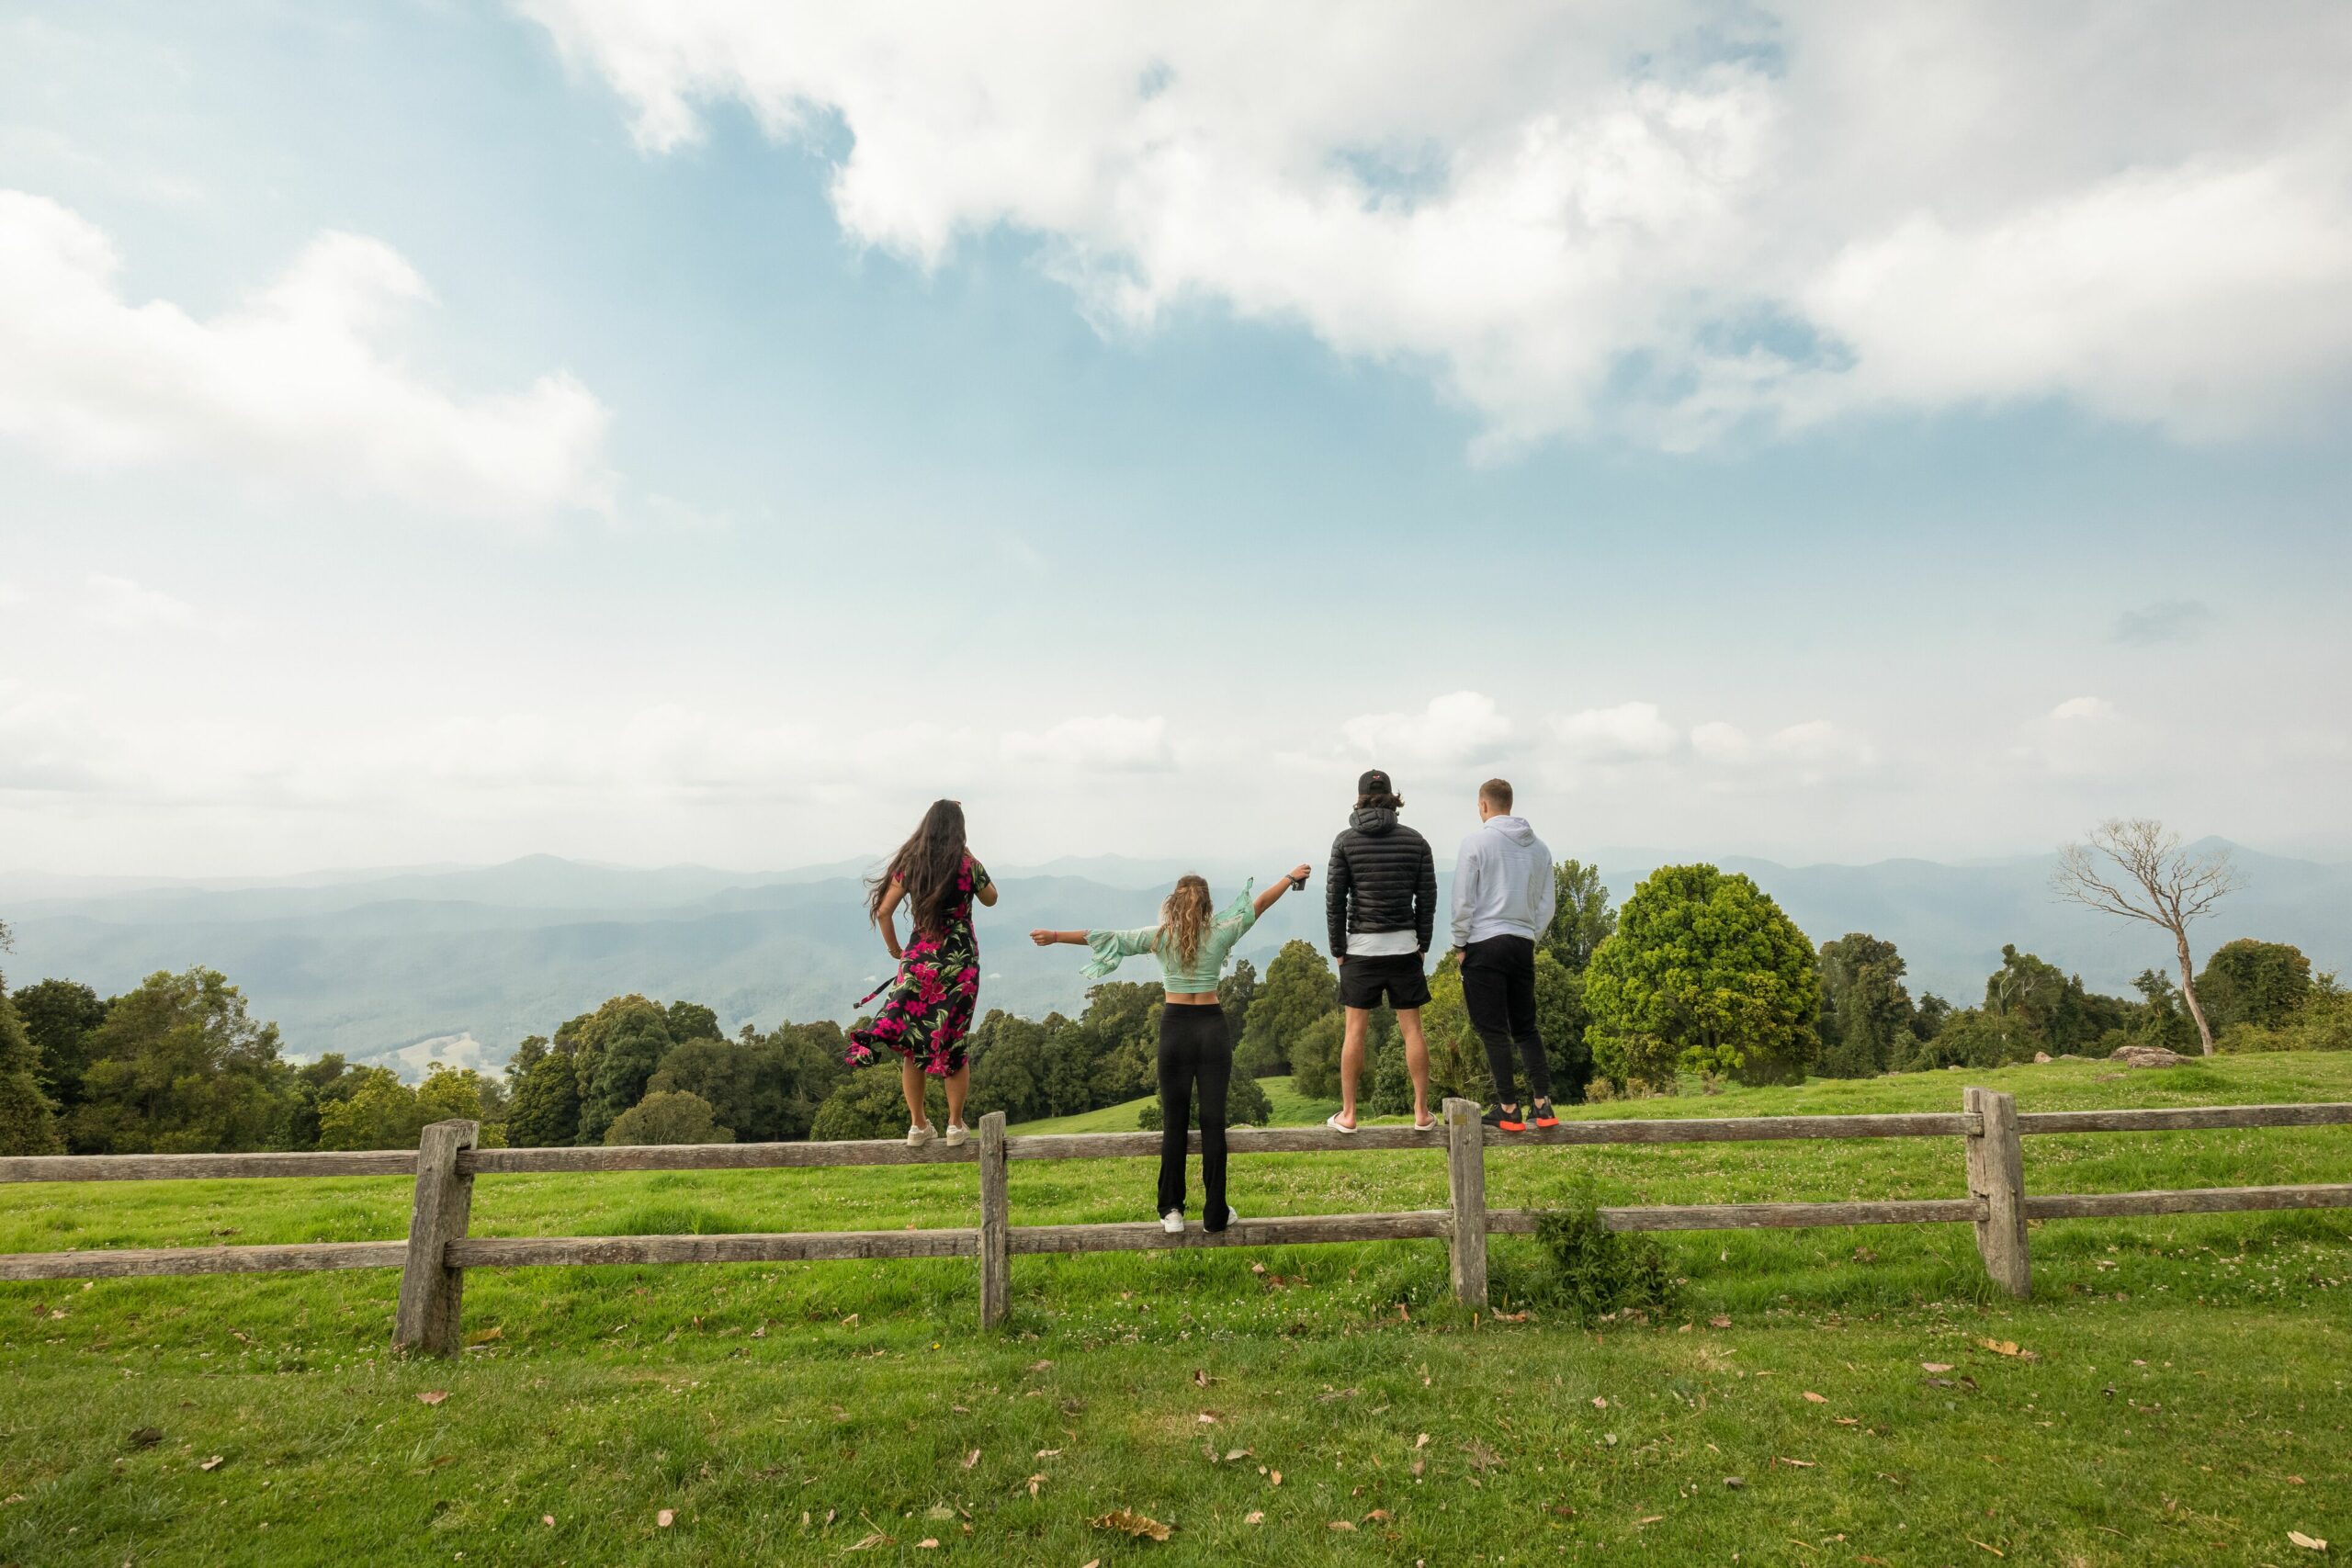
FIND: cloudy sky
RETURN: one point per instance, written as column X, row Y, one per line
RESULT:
column 439, row 431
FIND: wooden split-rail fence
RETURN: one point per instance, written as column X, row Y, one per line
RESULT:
column 433, row 1259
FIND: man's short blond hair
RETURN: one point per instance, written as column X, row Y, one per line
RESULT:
column 1496, row 793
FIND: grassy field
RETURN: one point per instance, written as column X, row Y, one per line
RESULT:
column 2185, row 1397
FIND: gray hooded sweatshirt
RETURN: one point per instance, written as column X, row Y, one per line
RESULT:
column 1502, row 882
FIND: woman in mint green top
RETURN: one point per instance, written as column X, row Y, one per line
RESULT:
column 1195, row 1047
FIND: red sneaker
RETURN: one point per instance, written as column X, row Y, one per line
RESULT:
column 1543, row 1115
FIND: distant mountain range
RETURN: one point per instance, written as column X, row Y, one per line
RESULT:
column 460, row 963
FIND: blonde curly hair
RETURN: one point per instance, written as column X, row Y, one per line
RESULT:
column 1184, row 919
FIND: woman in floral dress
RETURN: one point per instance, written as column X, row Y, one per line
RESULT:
column 927, row 1015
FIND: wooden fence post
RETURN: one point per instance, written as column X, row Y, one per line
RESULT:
column 1466, row 1194
column 1997, row 1175
column 431, row 1293
column 995, row 1229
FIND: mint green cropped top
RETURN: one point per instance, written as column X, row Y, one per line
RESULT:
column 1225, row 928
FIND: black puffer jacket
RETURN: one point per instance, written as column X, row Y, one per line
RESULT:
column 1383, row 878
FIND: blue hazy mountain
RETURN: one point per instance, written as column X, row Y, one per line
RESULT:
column 372, row 962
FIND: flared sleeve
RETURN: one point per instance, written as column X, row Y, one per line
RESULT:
column 1110, row 947
column 1244, row 907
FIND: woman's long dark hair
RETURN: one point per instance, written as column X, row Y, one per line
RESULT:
column 926, row 866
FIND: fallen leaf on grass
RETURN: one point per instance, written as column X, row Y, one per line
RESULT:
column 1201, row 1378
column 1935, row 1365
column 549, row 1519
column 1034, row 1482
column 1342, row 1525
column 1205, row 1418
column 1232, row 1454
column 1719, row 1321
column 1254, row 1516
column 215, row 1462
column 849, row 1322
column 1039, row 1366
column 1132, row 1524
column 1481, row 1456
column 928, row 1541
column 666, row 1518
column 432, row 1396
column 1276, row 1477
column 1422, row 1441
column 1849, row 1421
column 1796, row 1463
column 1813, row 1398
column 2308, row 1542
column 486, row 1336
column 971, row 1459
column 1980, row 1545
column 870, row 1541
column 1650, row 1519
column 1379, row 1514
column 1600, row 1402
column 2000, row 1347
column 1050, row 1454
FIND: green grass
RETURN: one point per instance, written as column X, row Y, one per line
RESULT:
column 2188, row 1400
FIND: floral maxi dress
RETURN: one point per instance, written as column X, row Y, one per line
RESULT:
column 928, row 1014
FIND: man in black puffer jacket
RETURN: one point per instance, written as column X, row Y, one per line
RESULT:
column 1382, row 903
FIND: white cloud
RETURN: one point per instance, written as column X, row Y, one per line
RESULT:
column 1671, row 218
column 1627, row 732
column 121, row 606
column 2091, row 710
column 1458, row 730
column 1806, row 752
column 1108, row 743
column 296, row 383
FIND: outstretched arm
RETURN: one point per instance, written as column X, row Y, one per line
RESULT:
column 1295, row 877
column 1047, row 939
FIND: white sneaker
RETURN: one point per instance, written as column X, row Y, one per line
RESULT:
column 1172, row 1222
column 1232, row 1215
column 918, row 1136
column 955, row 1136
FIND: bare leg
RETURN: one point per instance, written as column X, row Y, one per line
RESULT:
column 1351, row 1062
column 1417, row 1062
column 958, row 1082
column 911, row 1081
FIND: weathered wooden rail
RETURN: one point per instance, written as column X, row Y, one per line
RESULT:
column 433, row 1259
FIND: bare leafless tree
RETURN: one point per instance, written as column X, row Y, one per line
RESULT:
column 2135, row 866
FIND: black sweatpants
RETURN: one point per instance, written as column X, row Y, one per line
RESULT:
column 1499, row 990
column 1195, row 1053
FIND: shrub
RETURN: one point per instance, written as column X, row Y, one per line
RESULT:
column 1593, row 1270
column 2322, row 1024
column 668, row 1116
column 869, row 1104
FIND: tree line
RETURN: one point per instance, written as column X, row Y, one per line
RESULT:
column 1697, row 974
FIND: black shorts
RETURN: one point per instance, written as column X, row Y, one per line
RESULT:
column 1396, row 978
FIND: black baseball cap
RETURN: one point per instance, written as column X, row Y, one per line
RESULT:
column 1375, row 782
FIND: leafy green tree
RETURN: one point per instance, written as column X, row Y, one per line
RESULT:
column 619, row 1048
column 381, row 1113
column 1581, row 918
column 1235, row 992
column 2161, row 1020
column 545, row 1110
column 1866, row 1012
column 1299, row 988
column 179, row 1067
column 692, row 1021
column 1702, row 973
column 1561, row 1018
column 2035, row 1006
column 27, row 1124
column 2244, row 981
column 1007, row 1055
column 1315, row 1058
column 318, row 1085
column 867, row 1105
column 59, row 1016
column 752, row 1084
column 668, row 1116
column 526, row 1056
column 1457, row 1058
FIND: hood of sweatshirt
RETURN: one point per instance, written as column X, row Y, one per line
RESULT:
column 1372, row 820
column 1515, row 829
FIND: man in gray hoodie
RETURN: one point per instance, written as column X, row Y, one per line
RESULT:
column 1503, row 897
